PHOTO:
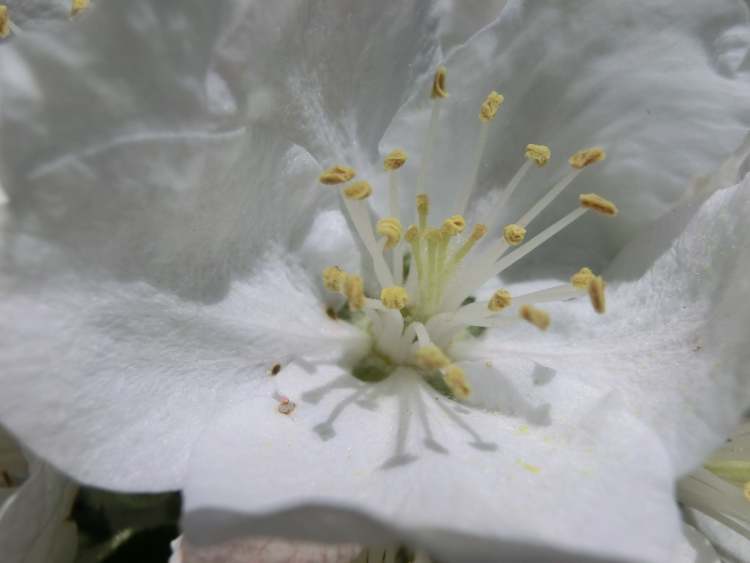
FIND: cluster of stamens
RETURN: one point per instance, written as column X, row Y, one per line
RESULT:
column 426, row 300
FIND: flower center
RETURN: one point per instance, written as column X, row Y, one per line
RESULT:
column 427, row 273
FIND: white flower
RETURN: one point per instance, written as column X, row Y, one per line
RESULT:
column 167, row 236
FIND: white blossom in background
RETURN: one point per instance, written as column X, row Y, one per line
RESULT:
column 165, row 322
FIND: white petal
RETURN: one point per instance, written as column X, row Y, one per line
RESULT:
column 461, row 19
column 695, row 549
column 725, row 540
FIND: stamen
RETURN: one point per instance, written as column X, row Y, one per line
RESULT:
column 394, row 297
column 596, row 293
column 454, row 225
column 4, row 22
column 584, row 157
column 334, row 278
column 431, row 357
column 455, row 378
column 582, row 278
column 438, row 83
column 537, row 317
column 358, row 190
column 423, row 210
column 479, row 231
column 490, row 106
column 540, row 154
column 78, row 7
column 598, row 204
column 392, row 162
column 438, row 93
column 500, row 300
column 354, row 290
column 337, row 174
column 514, row 234
column 390, row 228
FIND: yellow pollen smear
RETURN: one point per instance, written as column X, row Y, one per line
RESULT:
column 438, row 83
column 540, row 154
column 78, row 7
column 390, row 228
column 432, row 357
column 358, row 190
column 4, row 21
column 598, row 203
column 582, row 278
column 584, row 157
column 596, row 293
column 500, row 300
column 537, row 317
column 338, row 174
column 412, row 233
column 514, row 234
column 354, row 290
column 394, row 297
column 490, row 106
column 333, row 278
column 454, row 225
column 394, row 160
column 478, row 232
column 455, row 378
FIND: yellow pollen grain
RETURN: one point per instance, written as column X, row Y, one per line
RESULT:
column 4, row 21
column 432, row 357
column 499, row 300
column 334, row 278
column 514, row 234
column 584, row 157
column 596, row 293
column 412, row 233
column 78, row 6
column 455, row 378
column 454, row 225
column 358, row 190
column 337, row 174
column 390, row 228
column 354, row 290
column 394, row 297
column 438, row 84
column 394, row 159
column 480, row 229
column 490, row 106
column 535, row 316
column 540, row 154
column 598, row 203
column 582, row 278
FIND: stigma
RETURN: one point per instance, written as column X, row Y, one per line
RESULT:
column 427, row 269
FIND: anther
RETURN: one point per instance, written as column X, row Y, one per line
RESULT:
column 596, row 293
column 582, row 278
column 499, row 300
column 78, row 6
column 394, row 160
column 514, row 234
column 454, row 225
column 535, row 316
column 455, row 378
column 584, row 157
column 275, row 369
column 390, row 228
column 337, row 174
column 432, row 357
column 354, row 290
column 438, row 83
column 598, row 204
column 433, row 235
column 423, row 209
column 394, row 297
column 334, row 278
column 359, row 190
column 490, row 106
column 4, row 21
column 478, row 232
column 540, row 154
column 412, row 233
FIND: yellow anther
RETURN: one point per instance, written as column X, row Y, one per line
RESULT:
column 479, row 230
column 582, row 278
column 394, row 160
column 423, row 203
column 537, row 317
column 596, row 293
column 455, row 378
column 390, row 228
column 337, row 174
column 334, row 278
column 358, row 190
column 412, row 233
column 538, row 153
column 584, row 157
column 514, row 234
column 4, row 21
column 499, row 300
column 490, row 106
column 454, row 225
column 438, row 83
column 354, row 290
column 598, row 204
column 394, row 297
column 433, row 235
column 432, row 357
column 78, row 6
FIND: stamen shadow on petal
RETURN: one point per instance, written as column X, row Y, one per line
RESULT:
column 401, row 457
column 314, row 396
column 325, row 429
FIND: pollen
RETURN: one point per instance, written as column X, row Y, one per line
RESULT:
column 4, row 21
column 455, row 378
column 394, row 160
column 535, row 316
column 490, row 106
column 337, row 174
column 584, row 157
column 354, row 290
column 500, row 300
column 412, row 233
column 540, row 154
column 454, row 225
column 438, row 83
column 582, row 278
column 514, row 234
column 390, row 228
column 394, row 297
column 478, row 232
column 432, row 357
column 359, row 190
column 596, row 293
column 598, row 204
column 334, row 278
column 78, row 6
